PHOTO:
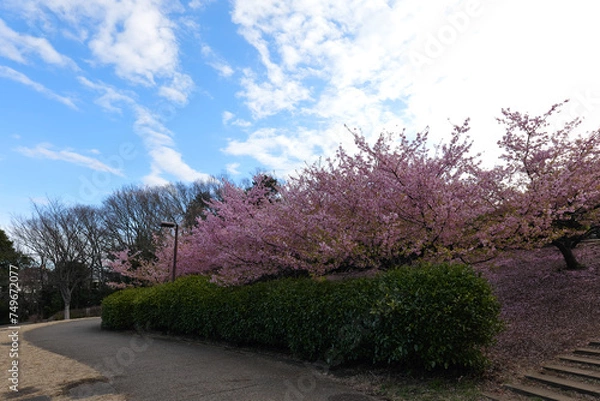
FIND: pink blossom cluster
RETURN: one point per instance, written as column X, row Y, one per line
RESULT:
column 142, row 271
column 397, row 200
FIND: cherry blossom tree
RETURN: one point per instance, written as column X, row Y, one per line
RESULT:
column 419, row 201
column 554, row 177
column 241, row 239
column 388, row 204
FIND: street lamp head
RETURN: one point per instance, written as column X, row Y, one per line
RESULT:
column 168, row 224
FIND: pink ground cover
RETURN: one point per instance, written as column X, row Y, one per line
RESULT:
column 547, row 310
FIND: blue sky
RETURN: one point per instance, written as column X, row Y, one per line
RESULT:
column 96, row 94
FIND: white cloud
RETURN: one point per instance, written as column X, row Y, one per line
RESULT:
column 239, row 122
column 233, row 168
column 216, row 62
column 111, row 97
column 228, row 118
column 199, row 4
column 9, row 73
column 376, row 64
column 371, row 64
column 265, row 98
column 45, row 151
column 168, row 160
column 157, row 138
column 136, row 37
column 282, row 151
column 179, row 89
column 513, row 57
column 17, row 47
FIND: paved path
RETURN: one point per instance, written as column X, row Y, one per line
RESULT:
column 147, row 369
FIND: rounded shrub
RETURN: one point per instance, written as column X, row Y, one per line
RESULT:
column 435, row 316
column 118, row 309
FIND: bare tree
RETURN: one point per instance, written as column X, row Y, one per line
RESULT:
column 96, row 240
column 133, row 214
column 56, row 234
column 191, row 201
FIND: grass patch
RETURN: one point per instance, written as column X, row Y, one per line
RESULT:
column 397, row 385
column 436, row 389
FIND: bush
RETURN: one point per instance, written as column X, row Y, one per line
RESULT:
column 435, row 316
column 117, row 309
column 427, row 316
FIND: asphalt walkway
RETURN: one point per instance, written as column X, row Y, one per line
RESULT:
column 149, row 368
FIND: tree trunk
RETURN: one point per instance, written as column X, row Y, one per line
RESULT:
column 66, row 296
column 564, row 246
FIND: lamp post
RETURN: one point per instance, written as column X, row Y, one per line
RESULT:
column 171, row 225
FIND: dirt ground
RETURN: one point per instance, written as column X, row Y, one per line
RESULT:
column 43, row 375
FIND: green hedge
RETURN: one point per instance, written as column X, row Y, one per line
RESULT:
column 117, row 308
column 427, row 316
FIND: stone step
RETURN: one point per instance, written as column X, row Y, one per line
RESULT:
column 587, row 361
column 566, row 384
column 538, row 392
column 588, row 351
column 590, row 374
column 594, row 343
